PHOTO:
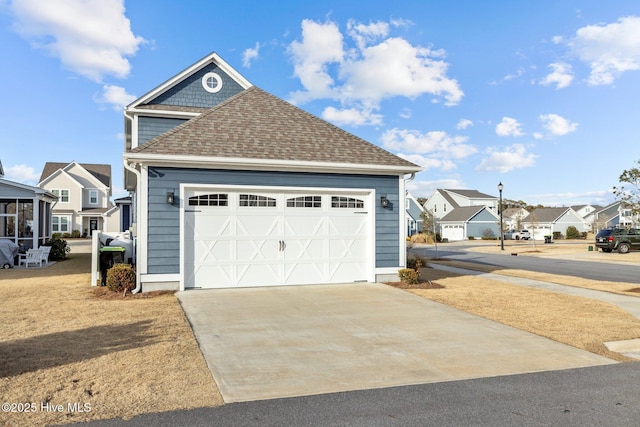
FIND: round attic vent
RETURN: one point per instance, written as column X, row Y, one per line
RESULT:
column 212, row 82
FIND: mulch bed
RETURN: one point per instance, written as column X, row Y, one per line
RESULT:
column 420, row 285
column 103, row 293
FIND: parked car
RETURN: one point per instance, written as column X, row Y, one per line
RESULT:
column 620, row 239
column 517, row 235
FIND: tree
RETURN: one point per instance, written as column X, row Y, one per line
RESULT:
column 631, row 197
column 428, row 222
column 421, row 200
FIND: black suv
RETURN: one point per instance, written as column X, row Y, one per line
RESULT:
column 621, row 239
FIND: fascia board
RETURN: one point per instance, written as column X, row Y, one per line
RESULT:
column 162, row 113
column 212, row 57
column 260, row 164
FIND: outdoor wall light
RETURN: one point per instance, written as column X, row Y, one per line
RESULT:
column 169, row 197
column 384, row 202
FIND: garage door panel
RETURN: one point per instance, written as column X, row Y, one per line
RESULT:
column 276, row 239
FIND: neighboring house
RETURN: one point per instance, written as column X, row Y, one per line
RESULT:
column 513, row 218
column 617, row 214
column 126, row 213
column 414, row 215
column 25, row 213
column 546, row 221
column 443, row 201
column 235, row 187
column 470, row 221
column 587, row 212
column 83, row 192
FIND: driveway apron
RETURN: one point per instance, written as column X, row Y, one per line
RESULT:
column 273, row 342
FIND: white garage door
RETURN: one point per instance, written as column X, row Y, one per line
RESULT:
column 453, row 232
column 246, row 238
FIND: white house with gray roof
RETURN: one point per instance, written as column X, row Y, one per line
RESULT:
column 444, row 202
column 543, row 222
column 234, row 187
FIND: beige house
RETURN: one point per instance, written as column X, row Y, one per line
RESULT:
column 83, row 192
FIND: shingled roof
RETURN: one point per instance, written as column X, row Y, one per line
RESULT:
column 100, row 171
column 257, row 125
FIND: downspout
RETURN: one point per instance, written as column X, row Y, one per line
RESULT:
column 135, row 171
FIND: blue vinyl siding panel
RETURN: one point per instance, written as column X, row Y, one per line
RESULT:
column 150, row 127
column 481, row 222
column 190, row 93
column 164, row 220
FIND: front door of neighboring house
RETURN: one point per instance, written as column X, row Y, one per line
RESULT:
column 93, row 225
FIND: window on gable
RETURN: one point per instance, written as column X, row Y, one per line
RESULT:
column 63, row 195
column 209, row 200
column 255, row 200
column 346, row 202
column 304, row 202
column 93, row 197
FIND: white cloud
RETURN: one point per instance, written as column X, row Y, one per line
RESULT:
column 513, row 157
column 557, row 125
column 351, row 116
column 436, row 143
column 21, row 173
column 249, row 55
column 429, row 162
column 116, row 96
column 367, row 67
column 90, row 37
column 561, row 76
column 464, row 123
column 321, row 46
column 515, row 75
column 509, row 127
column 609, row 49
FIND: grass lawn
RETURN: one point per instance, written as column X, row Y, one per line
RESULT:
column 61, row 344
column 580, row 322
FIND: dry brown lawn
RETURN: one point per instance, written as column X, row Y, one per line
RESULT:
column 60, row 344
column 580, row 322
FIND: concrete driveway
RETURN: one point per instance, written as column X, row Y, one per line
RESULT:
column 263, row 343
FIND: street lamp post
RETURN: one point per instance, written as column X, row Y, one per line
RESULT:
column 500, row 187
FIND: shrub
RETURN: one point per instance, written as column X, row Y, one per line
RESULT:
column 121, row 277
column 471, row 238
column 59, row 248
column 75, row 234
column 488, row 234
column 408, row 276
column 416, row 263
column 572, row 232
column 557, row 235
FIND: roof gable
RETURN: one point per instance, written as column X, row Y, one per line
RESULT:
column 100, row 172
column 470, row 194
column 257, row 125
column 462, row 214
column 546, row 215
column 189, row 80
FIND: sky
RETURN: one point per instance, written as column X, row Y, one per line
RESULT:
column 541, row 96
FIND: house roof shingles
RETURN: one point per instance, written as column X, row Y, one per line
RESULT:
column 100, row 171
column 546, row 215
column 257, row 125
column 463, row 213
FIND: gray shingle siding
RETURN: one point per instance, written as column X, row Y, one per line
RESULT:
column 150, row 127
column 164, row 220
column 190, row 93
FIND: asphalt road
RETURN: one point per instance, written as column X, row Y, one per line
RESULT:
column 596, row 396
column 589, row 270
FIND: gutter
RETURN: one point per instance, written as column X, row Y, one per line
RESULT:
column 135, row 171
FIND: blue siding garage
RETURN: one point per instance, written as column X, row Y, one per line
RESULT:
column 164, row 220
